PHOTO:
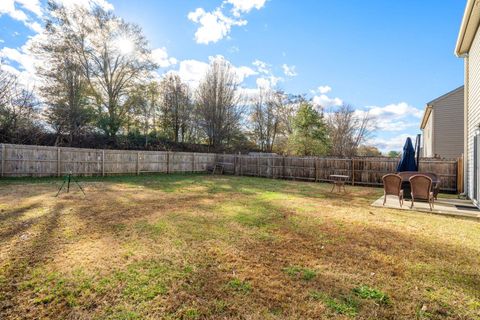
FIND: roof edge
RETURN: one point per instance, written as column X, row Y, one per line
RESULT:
column 468, row 28
column 443, row 96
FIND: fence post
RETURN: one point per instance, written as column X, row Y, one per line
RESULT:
column 3, row 159
column 315, row 165
column 258, row 166
column 270, row 164
column 168, row 161
column 234, row 164
column 59, row 163
column 138, row 163
column 193, row 162
column 240, row 169
column 283, row 168
column 103, row 163
column 353, row 171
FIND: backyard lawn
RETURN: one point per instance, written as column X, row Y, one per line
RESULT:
column 224, row 247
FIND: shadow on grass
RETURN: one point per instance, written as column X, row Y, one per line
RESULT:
column 219, row 223
column 15, row 214
column 25, row 256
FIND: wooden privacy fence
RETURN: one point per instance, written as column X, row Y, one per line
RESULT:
column 361, row 171
column 37, row 161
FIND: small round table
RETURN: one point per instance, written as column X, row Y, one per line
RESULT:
column 338, row 181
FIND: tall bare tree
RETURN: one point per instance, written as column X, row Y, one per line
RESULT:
column 65, row 89
column 114, row 56
column 218, row 103
column 18, row 111
column 176, row 107
column 266, row 118
column 142, row 110
column 348, row 130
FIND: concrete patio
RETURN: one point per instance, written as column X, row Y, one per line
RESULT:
column 444, row 206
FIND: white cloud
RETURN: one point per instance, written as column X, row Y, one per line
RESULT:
column 388, row 144
column 192, row 71
column 289, row 71
column 262, row 67
column 11, row 8
column 321, row 100
column 31, row 5
column 216, row 25
column 393, row 117
column 104, row 4
column 395, row 109
column 269, row 82
column 325, row 101
column 245, row 6
column 324, row 89
column 22, row 62
column 21, row 57
column 26, row 65
column 160, row 57
column 244, row 72
column 35, row 26
column 248, row 94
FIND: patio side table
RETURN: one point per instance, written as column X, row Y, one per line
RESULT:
column 338, row 181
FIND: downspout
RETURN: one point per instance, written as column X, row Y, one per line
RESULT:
column 465, row 125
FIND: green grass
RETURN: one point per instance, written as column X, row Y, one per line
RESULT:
column 300, row 272
column 346, row 306
column 366, row 292
column 225, row 247
column 240, row 286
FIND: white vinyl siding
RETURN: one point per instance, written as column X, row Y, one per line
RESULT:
column 448, row 125
column 473, row 111
column 428, row 137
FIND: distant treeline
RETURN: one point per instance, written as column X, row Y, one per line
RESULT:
column 97, row 87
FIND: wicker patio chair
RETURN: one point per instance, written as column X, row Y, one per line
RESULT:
column 435, row 186
column 392, row 185
column 422, row 189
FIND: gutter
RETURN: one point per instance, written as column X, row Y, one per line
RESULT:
column 470, row 20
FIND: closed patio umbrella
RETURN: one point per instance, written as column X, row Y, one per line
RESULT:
column 407, row 162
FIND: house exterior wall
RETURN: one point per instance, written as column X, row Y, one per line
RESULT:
column 448, row 125
column 472, row 85
column 427, row 134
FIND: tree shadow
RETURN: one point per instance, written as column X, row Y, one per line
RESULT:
column 344, row 257
column 17, row 213
column 25, row 256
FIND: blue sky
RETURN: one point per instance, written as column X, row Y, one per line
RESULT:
column 388, row 57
